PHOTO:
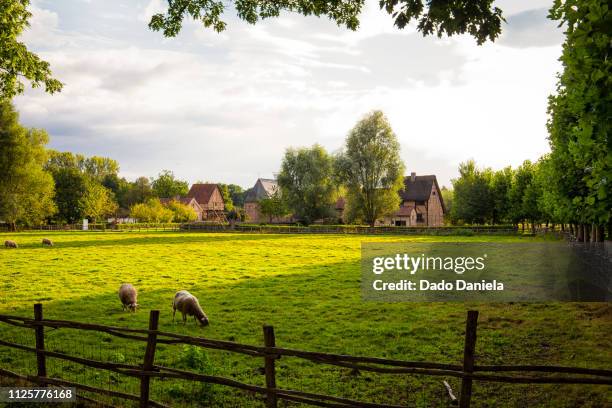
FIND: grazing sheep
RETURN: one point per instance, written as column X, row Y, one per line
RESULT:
column 10, row 244
column 188, row 304
column 128, row 297
column 47, row 241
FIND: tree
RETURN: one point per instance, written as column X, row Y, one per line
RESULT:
column 151, row 211
column 98, row 201
column 70, row 187
column 139, row 191
column 26, row 190
column 473, row 201
column 16, row 62
column 476, row 17
column 501, row 182
column 273, row 207
column 516, row 195
column 182, row 212
column 447, row 197
column 227, row 198
column 99, row 168
column 371, row 169
column 167, row 186
column 306, row 183
column 579, row 124
column 120, row 188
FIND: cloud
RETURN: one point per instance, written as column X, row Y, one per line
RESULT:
column 225, row 107
column 531, row 28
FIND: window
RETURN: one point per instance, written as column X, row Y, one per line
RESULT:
column 433, row 193
column 400, row 223
column 419, row 217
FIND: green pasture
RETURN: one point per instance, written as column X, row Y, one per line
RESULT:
column 308, row 288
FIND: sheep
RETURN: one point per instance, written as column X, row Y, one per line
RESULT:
column 47, row 241
column 10, row 244
column 128, row 297
column 188, row 304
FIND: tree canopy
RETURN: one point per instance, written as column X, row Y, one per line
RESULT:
column 26, row 190
column 16, row 61
column 479, row 18
column 371, row 169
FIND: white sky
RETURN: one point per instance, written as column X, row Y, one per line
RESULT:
column 224, row 107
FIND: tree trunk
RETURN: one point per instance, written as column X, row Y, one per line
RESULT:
column 601, row 233
column 533, row 226
column 523, row 227
column 580, row 232
column 587, row 232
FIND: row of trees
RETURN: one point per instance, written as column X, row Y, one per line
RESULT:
column 368, row 171
column 39, row 185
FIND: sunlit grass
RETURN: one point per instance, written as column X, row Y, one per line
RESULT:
column 308, row 287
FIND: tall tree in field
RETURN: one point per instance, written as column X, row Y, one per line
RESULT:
column 306, row 183
column 98, row 201
column 478, row 18
column 139, row 191
column 26, row 190
column 580, row 112
column 521, row 182
column 501, row 182
column 168, row 186
column 16, row 62
column 473, row 201
column 371, row 169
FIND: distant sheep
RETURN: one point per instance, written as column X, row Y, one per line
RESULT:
column 47, row 241
column 188, row 304
column 128, row 297
column 10, row 244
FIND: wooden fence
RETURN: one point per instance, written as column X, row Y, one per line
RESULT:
column 468, row 371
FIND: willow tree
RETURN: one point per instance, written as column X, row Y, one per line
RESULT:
column 371, row 169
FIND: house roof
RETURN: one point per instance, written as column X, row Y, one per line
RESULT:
column 263, row 188
column 202, row 192
column 404, row 211
column 419, row 189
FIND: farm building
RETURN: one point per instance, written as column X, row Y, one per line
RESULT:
column 421, row 204
column 263, row 188
column 188, row 201
column 208, row 196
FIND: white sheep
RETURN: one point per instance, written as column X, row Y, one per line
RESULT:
column 128, row 297
column 47, row 241
column 10, row 244
column 188, row 304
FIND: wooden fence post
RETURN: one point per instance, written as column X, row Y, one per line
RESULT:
column 468, row 357
column 148, row 359
column 40, row 342
column 270, row 341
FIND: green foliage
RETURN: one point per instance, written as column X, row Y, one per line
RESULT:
column 80, row 185
column 306, row 183
column 16, row 62
column 501, row 183
column 371, row 169
column 98, row 201
column 273, row 207
column 447, row 197
column 473, row 201
column 167, row 186
column 26, row 190
column 139, row 191
column 151, row 211
column 475, row 17
column 182, row 212
column 227, row 198
column 579, row 126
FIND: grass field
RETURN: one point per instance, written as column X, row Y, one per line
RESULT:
column 308, row 287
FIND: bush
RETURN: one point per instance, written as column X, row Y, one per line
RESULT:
column 195, row 359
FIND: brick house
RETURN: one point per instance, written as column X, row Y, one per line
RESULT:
column 263, row 188
column 209, row 198
column 421, row 204
column 188, row 201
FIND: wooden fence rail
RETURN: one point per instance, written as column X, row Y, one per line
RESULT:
column 468, row 372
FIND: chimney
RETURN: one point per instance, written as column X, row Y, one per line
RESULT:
column 413, row 176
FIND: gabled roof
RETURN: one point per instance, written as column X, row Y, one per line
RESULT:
column 202, row 192
column 182, row 200
column 419, row 189
column 263, row 188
